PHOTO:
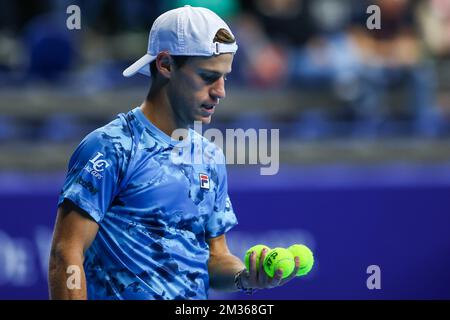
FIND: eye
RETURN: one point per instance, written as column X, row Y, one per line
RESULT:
column 210, row 79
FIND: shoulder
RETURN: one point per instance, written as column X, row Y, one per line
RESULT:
column 113, row 141
column 116, row 135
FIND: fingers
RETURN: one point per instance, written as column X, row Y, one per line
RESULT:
column 277, row 278
column 263, row 279
column 258, row 278
column 294, row 273
column 253, row 270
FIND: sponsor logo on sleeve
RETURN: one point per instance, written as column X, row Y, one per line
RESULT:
column 87, row 185
column 98, row 165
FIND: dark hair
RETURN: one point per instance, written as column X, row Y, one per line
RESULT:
column 222, row 36
column 178, row 60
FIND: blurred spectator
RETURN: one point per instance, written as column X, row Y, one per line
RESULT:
column 396, row 42
column 263, row 63
column 50, row 47
column 434, row 17
column 393, row 59
column 303, row 44
column 325, row 45
column 298, row 41
column 14, row 16
column 267, row 29
column 112, row 17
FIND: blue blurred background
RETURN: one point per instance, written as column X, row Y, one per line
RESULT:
column 364, row 119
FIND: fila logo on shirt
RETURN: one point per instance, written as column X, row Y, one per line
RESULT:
column 204, row 181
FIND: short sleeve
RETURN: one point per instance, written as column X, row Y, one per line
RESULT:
column 95, row 170
column 223, row 217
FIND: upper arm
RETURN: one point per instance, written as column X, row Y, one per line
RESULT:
column 74, row 230
column 96, row 170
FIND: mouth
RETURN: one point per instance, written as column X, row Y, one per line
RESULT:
column 209, row 108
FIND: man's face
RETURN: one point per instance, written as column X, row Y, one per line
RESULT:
column 196, row 88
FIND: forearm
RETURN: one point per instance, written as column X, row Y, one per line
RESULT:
column 67, row 280
column 222, row 270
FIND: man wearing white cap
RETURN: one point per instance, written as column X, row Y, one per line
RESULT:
column 135, row 223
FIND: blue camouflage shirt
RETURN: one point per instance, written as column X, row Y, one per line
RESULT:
column 154, row 210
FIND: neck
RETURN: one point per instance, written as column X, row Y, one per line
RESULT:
column 159, row 111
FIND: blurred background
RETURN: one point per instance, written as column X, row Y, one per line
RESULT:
column 364, row 119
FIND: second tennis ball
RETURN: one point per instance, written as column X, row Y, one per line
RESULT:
column 305, row 256
column 279, row 258
column 258, row 249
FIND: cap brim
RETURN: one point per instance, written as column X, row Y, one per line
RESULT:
column 140, row 66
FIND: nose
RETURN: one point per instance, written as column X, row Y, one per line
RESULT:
column 218, row 90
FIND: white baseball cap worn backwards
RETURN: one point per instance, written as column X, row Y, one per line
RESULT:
column 185, row 31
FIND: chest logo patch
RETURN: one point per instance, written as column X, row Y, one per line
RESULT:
column 204, row 181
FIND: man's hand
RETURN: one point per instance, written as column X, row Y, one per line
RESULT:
column 256, row 278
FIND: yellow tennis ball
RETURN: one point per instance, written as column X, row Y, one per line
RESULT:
column 305, row 256
column 279, row 258
column 258, row 249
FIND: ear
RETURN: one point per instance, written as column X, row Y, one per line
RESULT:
column 164, row 64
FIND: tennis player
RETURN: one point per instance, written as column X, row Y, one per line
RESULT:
column 135, row 224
